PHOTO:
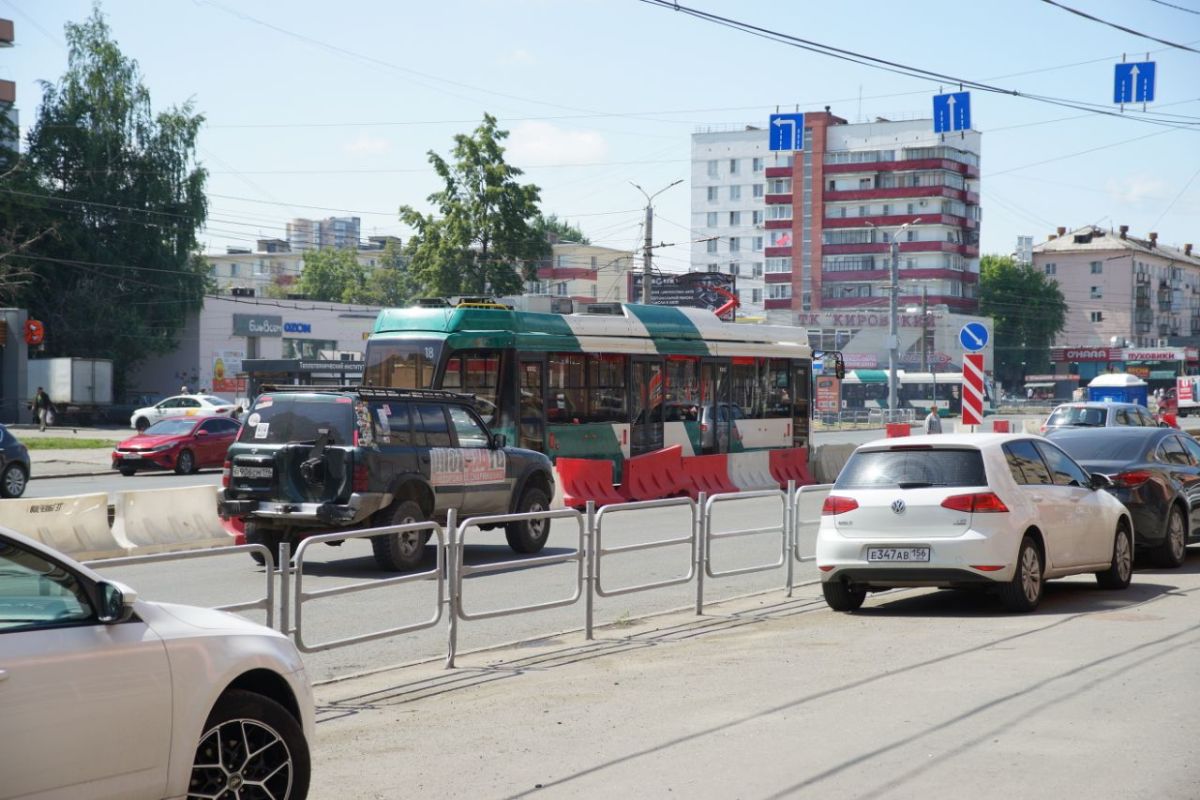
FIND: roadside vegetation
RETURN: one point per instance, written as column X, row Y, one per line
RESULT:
column 66, row 443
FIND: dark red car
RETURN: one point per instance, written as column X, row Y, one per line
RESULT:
column 184, row 444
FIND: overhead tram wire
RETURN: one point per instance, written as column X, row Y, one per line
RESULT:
column 1122, row 28
column 900, row 68
column 1172, row 5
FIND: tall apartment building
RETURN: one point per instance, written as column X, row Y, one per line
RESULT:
column 584, row 272
column 273, row 263
column 313, row 234
column 1132, row 304
column 820, row 221
column 10, row 132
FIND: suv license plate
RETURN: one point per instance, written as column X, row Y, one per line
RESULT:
column 252, row 472
column 898, row 554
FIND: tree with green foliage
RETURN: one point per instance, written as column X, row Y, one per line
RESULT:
column 390, row 283
column 332, row 275
column 483, row 235
column 562, row 230
column 1027, row 310
column 105, row 206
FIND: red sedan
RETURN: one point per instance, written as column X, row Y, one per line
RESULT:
column 184, row 444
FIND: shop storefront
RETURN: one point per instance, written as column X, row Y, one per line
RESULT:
column 1157, row 366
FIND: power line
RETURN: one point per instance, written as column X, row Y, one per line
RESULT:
column 1131, row 31
column 1172, row 5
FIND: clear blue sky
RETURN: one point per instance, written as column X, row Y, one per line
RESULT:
column 316, row 108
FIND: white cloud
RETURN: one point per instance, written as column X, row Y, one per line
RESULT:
column 367, row 145
column 533, row 143
column 1137, row 189
column 518, row 56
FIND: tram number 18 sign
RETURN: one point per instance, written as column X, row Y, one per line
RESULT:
column 972, row 395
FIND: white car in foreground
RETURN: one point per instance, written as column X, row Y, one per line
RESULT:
column 103, row 695
column 184, row 405
column 1006, row 511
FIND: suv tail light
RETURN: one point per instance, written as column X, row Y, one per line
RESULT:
column 978, row 503
column 226, row 472
column 835, row 505
column 1131, row 478
column 362, row 478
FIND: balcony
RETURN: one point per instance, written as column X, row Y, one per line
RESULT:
column 883, row 275
column 896, row 193
column 777, row 303
column 895, row 220
column 894, row 166
column 777, row 224
column 778, row 172
column 777, row 277
column 905, row 247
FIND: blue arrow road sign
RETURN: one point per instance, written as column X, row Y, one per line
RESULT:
column 973, row 336
column 951, row 112
column 787, row 132
column 1134, row 83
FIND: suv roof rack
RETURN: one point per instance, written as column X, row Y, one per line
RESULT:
column 378, row 392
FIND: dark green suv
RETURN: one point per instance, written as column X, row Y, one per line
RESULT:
column 314, row 460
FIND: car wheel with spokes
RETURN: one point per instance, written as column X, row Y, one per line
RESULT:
column 251, row 747
column 1173, row 549
column 529, row 535
column 13, row 481
column 1120, row 571
column 400, row 552
column 1024, row 591
column 185, row 464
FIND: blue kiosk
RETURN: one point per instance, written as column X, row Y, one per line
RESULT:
column 1118, row 387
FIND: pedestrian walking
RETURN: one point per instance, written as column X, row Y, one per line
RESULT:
column 933, row 423
column 42, row 408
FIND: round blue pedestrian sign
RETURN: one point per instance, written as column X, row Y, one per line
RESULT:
column 973, row 336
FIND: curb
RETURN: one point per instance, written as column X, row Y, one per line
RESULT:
column 71, row 475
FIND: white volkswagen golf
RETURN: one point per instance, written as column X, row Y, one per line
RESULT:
column 1007, row 511
column 103, row 695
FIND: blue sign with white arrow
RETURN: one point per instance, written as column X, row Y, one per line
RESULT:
column 952, row 112
column 973, row 336
column 787, row 132
column 1134, row 83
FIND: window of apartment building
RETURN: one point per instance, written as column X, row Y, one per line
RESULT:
column 1096, row 316
column 776, row 265
column 780, row 186
column 712, row 194
column 864, row 183
column 560, row 288
column 735, row 193
column 887, row 209
column 758, row 190
column 714, row 267
column 234, row 269
column 758, row 269
column 756, row 295
column 779, row 239
column 863, row 211
column 912, row 235
column 733, row 166
column 593, row 262
column 779, row 291
column 711, row 219
column 1097, row 267
column 735, row 244
column 756, row 217
column 712, row 168
column 560, row 261
column 758, row 244
column 780, row 211
column 1051, row 269
column 911, row 208
column 734, row 268
column 1097, row 293
column 710, row 246
column 756, row 165
column 735, row 218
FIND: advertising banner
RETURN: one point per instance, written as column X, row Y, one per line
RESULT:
column 829, row 395
column 226, row 365
column 694, row 289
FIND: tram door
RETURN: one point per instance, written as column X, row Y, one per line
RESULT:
column 646, row 434
column 716, row 416
column 531, row 404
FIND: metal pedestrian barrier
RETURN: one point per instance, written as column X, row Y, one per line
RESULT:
column 301, row 596
column 806, row 504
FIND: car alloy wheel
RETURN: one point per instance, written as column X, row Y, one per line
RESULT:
column 241, row 758
column 1173, row 550
column 1031, row 574
column 14, row 481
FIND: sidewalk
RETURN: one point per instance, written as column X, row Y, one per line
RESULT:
column 69, row 463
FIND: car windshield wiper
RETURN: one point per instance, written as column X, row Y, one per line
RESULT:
column 917, row 484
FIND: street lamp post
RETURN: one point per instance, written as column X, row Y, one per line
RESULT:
column 893, row 322
column 649, row 240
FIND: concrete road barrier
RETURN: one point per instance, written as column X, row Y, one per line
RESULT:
column 75, row 525
column 828, row 461
column 158, row 520
column 750, row 471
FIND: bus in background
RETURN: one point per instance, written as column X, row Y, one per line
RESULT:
column 615, row 381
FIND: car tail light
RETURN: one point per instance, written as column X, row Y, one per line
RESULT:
column 226, row 472
column 978, row 503
column 222, row 410
column 1131, row 478
column 987, row 567
column 834, row 505
column 362, row 478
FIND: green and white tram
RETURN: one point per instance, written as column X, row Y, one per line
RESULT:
column 620, row 381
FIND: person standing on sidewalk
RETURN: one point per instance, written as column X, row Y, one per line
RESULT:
column 42, row 407
column 933, row 423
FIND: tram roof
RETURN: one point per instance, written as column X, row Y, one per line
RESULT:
column 673, row 329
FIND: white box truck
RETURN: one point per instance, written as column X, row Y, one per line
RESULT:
column 80, row 388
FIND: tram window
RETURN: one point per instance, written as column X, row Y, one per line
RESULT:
column 745, row 387
column 606, row 389
column 776, row 391
column 682, row 388
column 566, row 393
column 477, row 373
column 402, row 365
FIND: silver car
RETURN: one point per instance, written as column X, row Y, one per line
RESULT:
column 1099, row 415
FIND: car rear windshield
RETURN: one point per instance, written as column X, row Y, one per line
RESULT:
column 912, row 468
column 1077, row 415
column 279, row 419
column 1094, row 447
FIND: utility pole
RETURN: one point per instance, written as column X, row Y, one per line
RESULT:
column 648, row 246
column 924, row 329
column 893, row 321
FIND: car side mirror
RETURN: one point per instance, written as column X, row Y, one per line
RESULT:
column 116, row 602
column 202, row 432
column 1101, row 481
column 499, row 441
